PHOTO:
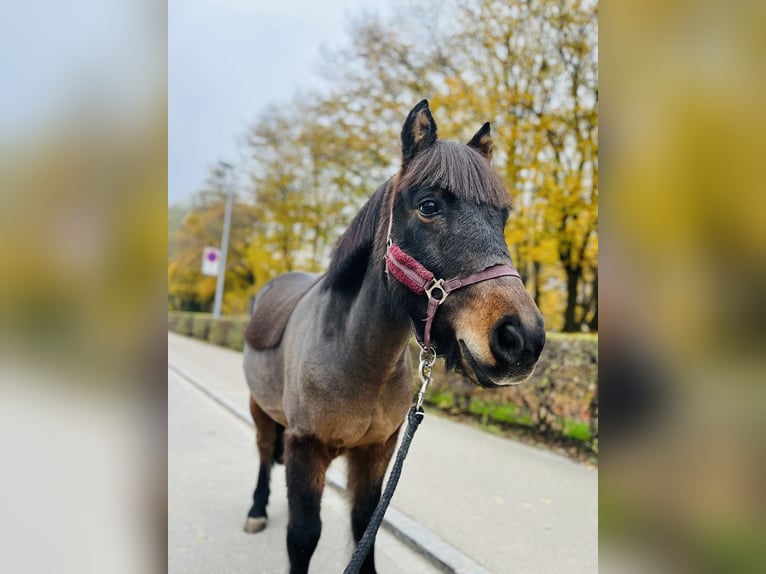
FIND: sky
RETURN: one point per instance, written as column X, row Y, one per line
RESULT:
column 91, row 60
column 229, row 59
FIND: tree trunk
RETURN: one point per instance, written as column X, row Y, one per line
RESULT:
column 538, row 289
column 593, row 323
column 571, row 323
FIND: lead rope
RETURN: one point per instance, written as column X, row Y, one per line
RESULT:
column 414, row 418
column 417, row 278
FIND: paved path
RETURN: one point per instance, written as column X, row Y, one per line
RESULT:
column 507, row 506
column 212, row 464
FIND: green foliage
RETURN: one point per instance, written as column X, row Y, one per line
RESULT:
column 497, row 412
column 218, row 331
column 443, row 400
column 224, row 331
column 173, row 319
column 576, row 430
column 183, row 324
column 236, row 336
column 200, row 326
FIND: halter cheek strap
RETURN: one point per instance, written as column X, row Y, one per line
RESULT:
column 413, row 275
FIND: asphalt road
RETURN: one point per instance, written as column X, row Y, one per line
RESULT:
column 508, row 507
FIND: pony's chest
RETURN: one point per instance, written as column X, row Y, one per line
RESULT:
column 348, row 412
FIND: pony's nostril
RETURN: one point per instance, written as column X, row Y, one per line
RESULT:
column 507, row 344
column 510, row 339
column 537, row 342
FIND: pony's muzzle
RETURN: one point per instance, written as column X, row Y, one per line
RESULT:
column 516, row 347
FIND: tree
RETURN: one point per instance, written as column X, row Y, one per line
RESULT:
column 311, row 169
column 531, row 69
column 176, row 215
column 528, row 66
column 188, row 289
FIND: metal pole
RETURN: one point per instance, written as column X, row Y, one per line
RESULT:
column 224, row 250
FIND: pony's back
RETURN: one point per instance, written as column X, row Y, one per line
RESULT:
column 273, row 307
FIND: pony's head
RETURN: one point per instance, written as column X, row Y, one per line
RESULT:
column 448, row 212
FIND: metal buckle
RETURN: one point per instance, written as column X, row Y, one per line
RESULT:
column 439, row 285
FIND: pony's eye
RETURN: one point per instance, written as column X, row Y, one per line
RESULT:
column 428, row 208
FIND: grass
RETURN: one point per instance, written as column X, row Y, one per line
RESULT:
column 576, row 430
column 509, row 420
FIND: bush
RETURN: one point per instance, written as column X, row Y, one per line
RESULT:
column 173, row 319
column 201, row 326
column 218, row 331
column 225, row 331
column 236, row 338
column 184, row 324
column 558, row 402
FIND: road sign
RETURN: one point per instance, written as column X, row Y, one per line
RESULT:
column 210, row 258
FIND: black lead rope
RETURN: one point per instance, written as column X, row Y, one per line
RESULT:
column 414, row 418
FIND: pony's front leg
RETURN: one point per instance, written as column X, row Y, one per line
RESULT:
column 366, row 469
column 306, row 461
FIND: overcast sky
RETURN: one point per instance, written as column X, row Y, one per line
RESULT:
column 228, row 59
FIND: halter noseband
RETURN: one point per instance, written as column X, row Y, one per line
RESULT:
column 413, row 275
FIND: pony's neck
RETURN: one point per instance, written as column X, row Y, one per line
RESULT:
column 378, row 328
column 362, row 311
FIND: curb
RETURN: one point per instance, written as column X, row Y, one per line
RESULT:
column 415, row 535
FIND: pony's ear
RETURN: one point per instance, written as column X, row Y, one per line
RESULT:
column 482, row 141
column 418, row 132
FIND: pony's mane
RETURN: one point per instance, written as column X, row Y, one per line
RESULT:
column 458, row 168
column 354, row 248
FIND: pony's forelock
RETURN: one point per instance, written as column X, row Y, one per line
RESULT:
column 461, row 170
column 448, row 165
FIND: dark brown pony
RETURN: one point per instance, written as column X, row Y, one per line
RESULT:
column 326, row 358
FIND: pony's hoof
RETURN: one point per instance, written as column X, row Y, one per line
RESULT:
column 253, row 525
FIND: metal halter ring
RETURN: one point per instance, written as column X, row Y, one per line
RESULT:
column 427, row 360
column 427, row 355
column 438, row 285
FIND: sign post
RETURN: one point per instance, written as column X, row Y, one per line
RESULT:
column 224, row 248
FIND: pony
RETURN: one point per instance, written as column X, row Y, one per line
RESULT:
column 326, row 357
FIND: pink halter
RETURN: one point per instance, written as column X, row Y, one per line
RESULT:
column 413, row 275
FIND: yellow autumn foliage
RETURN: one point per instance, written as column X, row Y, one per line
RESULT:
column 530, row 68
